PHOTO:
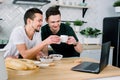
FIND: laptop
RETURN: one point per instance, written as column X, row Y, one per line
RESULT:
column 92, row 67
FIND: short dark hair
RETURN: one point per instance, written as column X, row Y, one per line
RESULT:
column 30, row 13
column 52, row 11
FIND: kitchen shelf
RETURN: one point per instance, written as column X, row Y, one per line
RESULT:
column 84, row 8
column 71, row 6
column 31, row 2
column 1, row 19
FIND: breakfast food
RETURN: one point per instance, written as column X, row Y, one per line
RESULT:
column 56, row 56
column 20, row 64
column 46, row 59
column 29, row 63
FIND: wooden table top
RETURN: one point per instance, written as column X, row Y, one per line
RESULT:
column 61, row 71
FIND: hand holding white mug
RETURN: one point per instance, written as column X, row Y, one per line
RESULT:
column 53, row 39
column 64, row 38
column 71, row 40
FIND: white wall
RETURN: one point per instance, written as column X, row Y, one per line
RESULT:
column 13, row 14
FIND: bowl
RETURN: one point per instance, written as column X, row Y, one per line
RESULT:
column 56, row 56
column 46, row 59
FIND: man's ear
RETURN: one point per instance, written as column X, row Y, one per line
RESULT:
column 29, row 20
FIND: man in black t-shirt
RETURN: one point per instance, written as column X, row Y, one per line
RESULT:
column 54, row 27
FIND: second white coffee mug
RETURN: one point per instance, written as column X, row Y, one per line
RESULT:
column 64, row 38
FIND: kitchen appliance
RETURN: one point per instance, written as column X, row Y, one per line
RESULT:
column 111, row 32
column 3, row 72
column 31, row 2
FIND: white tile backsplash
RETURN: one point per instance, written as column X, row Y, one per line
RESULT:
column 12, row 14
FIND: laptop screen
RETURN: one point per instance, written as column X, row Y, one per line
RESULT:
column 105, row 54
column 93, row 67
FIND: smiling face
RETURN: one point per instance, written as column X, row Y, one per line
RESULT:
column 54, row 23
column 33, row 19
column 36, row 23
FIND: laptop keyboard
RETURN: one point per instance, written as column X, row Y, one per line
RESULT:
column 92, row 66
column 87, row 67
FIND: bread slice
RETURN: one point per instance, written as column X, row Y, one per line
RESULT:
column 20, row 64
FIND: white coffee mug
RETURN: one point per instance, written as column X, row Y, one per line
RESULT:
column 64, row 38
column 3, row 72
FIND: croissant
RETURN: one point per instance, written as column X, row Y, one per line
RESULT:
column 20, row 64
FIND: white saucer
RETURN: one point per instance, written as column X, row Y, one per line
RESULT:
column 37, row 62
column 43, row 65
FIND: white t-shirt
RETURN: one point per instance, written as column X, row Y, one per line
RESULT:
column 18, row 36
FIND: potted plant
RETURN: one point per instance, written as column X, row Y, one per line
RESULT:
column 91, row 35
column 77, row 23
column 68, row 23
column 116, row 4
column 3, row 43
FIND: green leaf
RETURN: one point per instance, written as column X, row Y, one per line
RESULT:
column 116, row 3
column 78, row 23
column 90, row 32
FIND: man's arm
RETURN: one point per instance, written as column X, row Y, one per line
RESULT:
column 45, row 50
column 78, row 47
column 30, row 53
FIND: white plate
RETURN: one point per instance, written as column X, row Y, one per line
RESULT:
column 37, row 62
column 43, row 65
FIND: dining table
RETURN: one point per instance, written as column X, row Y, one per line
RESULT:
column 61, row 70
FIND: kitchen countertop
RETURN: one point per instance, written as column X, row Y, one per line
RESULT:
column 62, row 71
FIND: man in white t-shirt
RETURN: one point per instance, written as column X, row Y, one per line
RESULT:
column 25, row 41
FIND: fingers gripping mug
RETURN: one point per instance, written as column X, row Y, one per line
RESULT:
column 64, row 38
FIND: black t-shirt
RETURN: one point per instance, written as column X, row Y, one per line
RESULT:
column 62, row 48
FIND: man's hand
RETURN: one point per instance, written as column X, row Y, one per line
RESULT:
column 71, row 40
column 40, row 54
column 53, row 39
